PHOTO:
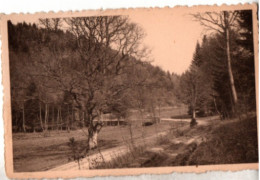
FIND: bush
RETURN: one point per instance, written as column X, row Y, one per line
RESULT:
column 147, row 123
column 163, row 140
column 77, row 154
column 179, row 133
column 193, row 122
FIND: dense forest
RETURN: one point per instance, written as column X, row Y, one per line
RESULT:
column 65, row 73
column 221, row 77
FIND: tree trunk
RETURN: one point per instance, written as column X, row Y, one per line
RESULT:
column 41, row 115
column 193, row 119
column 83, row 119
column 160, row 110
column 46, row 117
column 231, row 78
column 68, row 120
column 131, row 135
column 93, row 139
column 216, row 108
column 52, row 123
column 24, row 127
column 154, row 114
column 142, row 122
column 193, row 113
column 58, row 119
column 93, row 131
column 16, row 121
column 34, row 125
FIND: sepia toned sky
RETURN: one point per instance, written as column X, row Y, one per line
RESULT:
column 171, row 35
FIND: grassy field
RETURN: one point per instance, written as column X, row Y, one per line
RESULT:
column 217, row 142
column 40, row 152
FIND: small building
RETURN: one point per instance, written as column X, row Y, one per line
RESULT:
column 111, row 120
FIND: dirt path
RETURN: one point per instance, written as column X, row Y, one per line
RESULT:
column 211, row 142
column 107, row 155
column 201, row 121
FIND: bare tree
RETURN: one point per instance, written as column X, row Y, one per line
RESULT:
column 91, row 66
column 222, row 23
column 190, row 85
column 51, row 24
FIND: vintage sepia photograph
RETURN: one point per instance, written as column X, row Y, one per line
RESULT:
column 131, row 89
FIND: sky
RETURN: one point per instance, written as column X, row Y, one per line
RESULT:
column 172, row 36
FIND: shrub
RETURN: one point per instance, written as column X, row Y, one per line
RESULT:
column 76, row 153
column 163, row 140
column 193, row 122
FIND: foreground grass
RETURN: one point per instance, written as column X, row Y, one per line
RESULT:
column 219, row 142
column 235, row 142
column 39, row 152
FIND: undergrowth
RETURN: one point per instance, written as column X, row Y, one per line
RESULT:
column 230, row 143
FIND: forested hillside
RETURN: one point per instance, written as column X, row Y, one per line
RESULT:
column 66, row 78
